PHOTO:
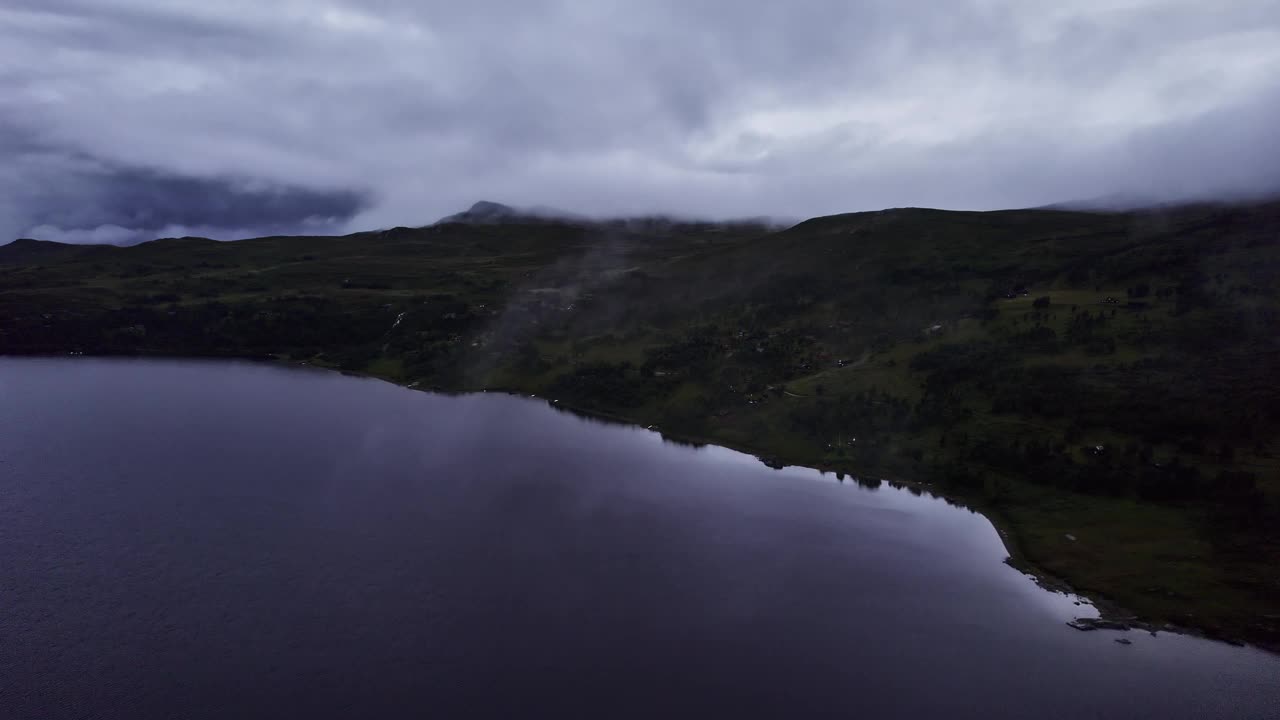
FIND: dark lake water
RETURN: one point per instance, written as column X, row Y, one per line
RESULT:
column 231, row 540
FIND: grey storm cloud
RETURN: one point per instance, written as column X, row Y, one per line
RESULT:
column 75, row 197
column 125, row 119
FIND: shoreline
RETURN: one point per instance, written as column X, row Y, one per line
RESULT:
column 1111, row 615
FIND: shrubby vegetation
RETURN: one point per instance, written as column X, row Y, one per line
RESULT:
column 1096, row 375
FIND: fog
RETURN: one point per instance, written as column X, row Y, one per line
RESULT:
column 123, row 120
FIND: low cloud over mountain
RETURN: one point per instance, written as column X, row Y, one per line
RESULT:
column 125, row 119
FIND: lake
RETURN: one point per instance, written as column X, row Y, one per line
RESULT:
column 186, row 539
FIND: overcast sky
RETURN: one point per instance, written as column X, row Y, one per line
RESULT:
column 129, row 119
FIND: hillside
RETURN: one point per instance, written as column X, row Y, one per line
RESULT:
column 1103, row 384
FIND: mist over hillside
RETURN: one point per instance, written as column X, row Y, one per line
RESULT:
column 241, row 121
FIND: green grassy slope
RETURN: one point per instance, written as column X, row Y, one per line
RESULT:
column 1103, row 384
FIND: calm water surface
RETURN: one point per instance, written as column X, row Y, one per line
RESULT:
column 229, row 540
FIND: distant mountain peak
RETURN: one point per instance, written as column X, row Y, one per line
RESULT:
column 487, row 208
column 484, row 211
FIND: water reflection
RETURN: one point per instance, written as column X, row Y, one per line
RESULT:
column 235, row 540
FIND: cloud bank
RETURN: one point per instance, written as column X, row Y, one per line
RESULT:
column 122, row 120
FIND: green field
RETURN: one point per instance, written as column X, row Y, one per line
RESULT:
column 1103, row 385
